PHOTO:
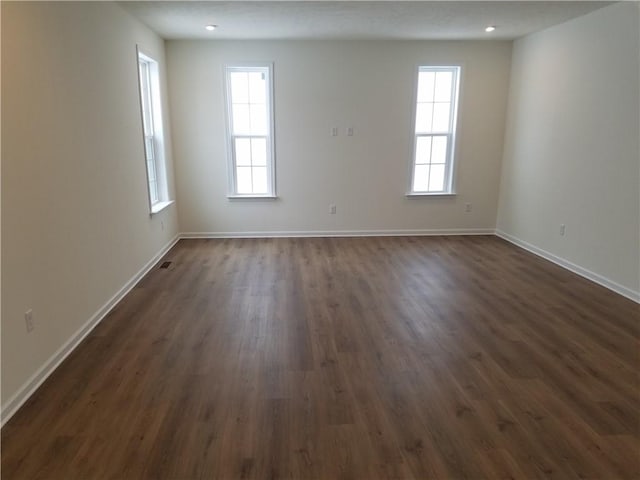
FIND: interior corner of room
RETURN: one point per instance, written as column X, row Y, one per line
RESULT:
column 546, row 154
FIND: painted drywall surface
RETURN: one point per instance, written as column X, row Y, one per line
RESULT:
column 320, row 84
column 75, row 220
column 571, row 148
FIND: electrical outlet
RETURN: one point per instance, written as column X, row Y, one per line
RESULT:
column 332, row 209
column 467, row 207
column 162, row 225
column 350, row 132
column 334, row 131
column 28, row 320
column 562, row 229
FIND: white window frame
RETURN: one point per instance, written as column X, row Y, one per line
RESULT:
column 449, row 183
column 267, row 69
column 152, row 132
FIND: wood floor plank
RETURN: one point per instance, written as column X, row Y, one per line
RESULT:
column 344, row 358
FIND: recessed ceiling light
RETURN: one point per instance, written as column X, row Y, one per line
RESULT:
column 490, row 29
column 211, row 28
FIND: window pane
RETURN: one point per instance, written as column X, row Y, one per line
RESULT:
column 423, row 150
column 259, row 179
column 153, row 191
column 259, row 151
column 151, row 171
column 441, row 117
column 148, row 148
column 424, row 113
column 243, row 175
column 145, row 98
column 436, row 179
column 443, row 86
column 421, row 178
column 257, row 87
column 239, row 87
column 241, row 123
column 243, row 152
column 258, row 119
column 439, row 149
column 425, row 86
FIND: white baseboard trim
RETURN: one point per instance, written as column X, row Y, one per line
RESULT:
column 340, row 233
column 583, row 272
column 30, row 386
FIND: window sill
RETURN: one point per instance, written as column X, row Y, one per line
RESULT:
column 427, row 194
column 158, row 207
column 252, row 197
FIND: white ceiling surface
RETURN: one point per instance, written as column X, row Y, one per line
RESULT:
column 408, row 20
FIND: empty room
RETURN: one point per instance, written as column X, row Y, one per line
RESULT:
column 320, row 240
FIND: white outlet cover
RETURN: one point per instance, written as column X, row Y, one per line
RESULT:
column 28, row 318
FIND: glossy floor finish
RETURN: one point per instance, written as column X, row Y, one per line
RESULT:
column 345, row 358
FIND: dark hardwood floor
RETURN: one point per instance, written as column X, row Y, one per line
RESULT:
column 345, row 358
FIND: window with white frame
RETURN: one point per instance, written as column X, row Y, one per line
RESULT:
column 150, row 104
column 250, row 130
column 435, row 128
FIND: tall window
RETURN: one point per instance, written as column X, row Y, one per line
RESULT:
column 150, row 105
column 250, row 124
column 435, row 126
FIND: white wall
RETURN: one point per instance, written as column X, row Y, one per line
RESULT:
column 571, row 150
column 320, row 84
column 75, row 221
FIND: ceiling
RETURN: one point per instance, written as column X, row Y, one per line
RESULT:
column 438, row 20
